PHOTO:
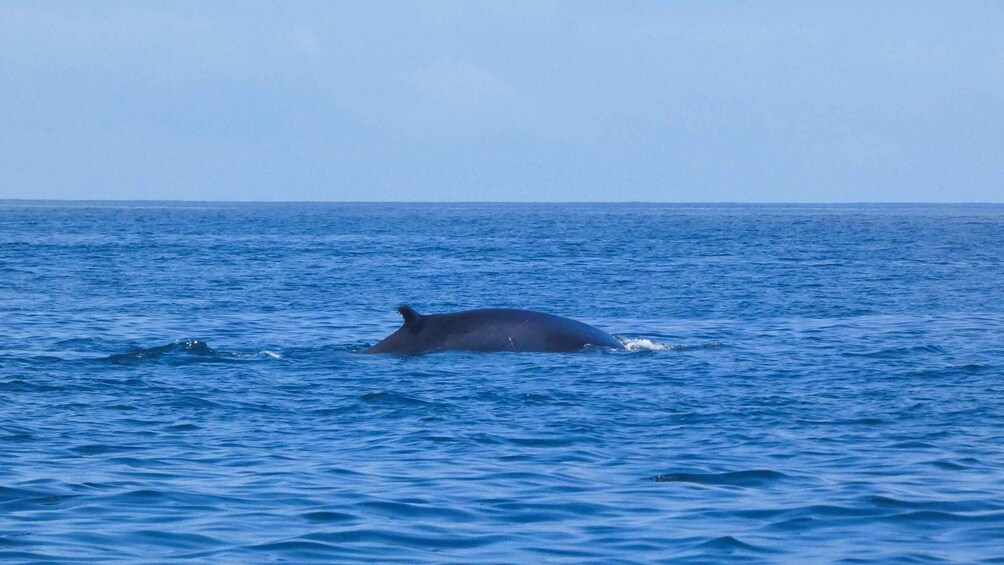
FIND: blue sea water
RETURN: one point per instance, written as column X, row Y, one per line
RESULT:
column 184, row 382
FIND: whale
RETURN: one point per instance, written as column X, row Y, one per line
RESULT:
column 491, row 329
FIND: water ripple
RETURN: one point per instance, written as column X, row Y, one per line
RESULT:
column 756, row 478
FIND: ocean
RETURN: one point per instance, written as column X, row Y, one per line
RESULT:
column 184, row 382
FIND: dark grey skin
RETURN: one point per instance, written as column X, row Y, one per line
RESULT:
column 494, row 329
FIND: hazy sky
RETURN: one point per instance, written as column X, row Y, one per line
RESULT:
column 541, row 101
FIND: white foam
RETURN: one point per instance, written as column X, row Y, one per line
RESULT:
column 641, row 344
column 644, row 345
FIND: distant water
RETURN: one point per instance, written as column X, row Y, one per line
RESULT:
column 183, row 382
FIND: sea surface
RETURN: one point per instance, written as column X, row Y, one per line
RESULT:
column 184, row 382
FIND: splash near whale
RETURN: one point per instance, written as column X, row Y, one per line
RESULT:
column 492, row 329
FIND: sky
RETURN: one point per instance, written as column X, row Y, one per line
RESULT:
column 662, row 101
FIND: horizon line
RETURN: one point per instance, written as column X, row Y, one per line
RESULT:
column 577, row 202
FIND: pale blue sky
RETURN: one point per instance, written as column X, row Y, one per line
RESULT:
column 503, row 101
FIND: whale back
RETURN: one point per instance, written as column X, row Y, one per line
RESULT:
column 492, row 329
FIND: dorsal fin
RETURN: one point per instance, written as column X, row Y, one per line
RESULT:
column 411, row 317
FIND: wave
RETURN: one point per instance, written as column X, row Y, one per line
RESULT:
column 730, row 544
column 634, row 345
column 754, row 478
column 185, row 351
